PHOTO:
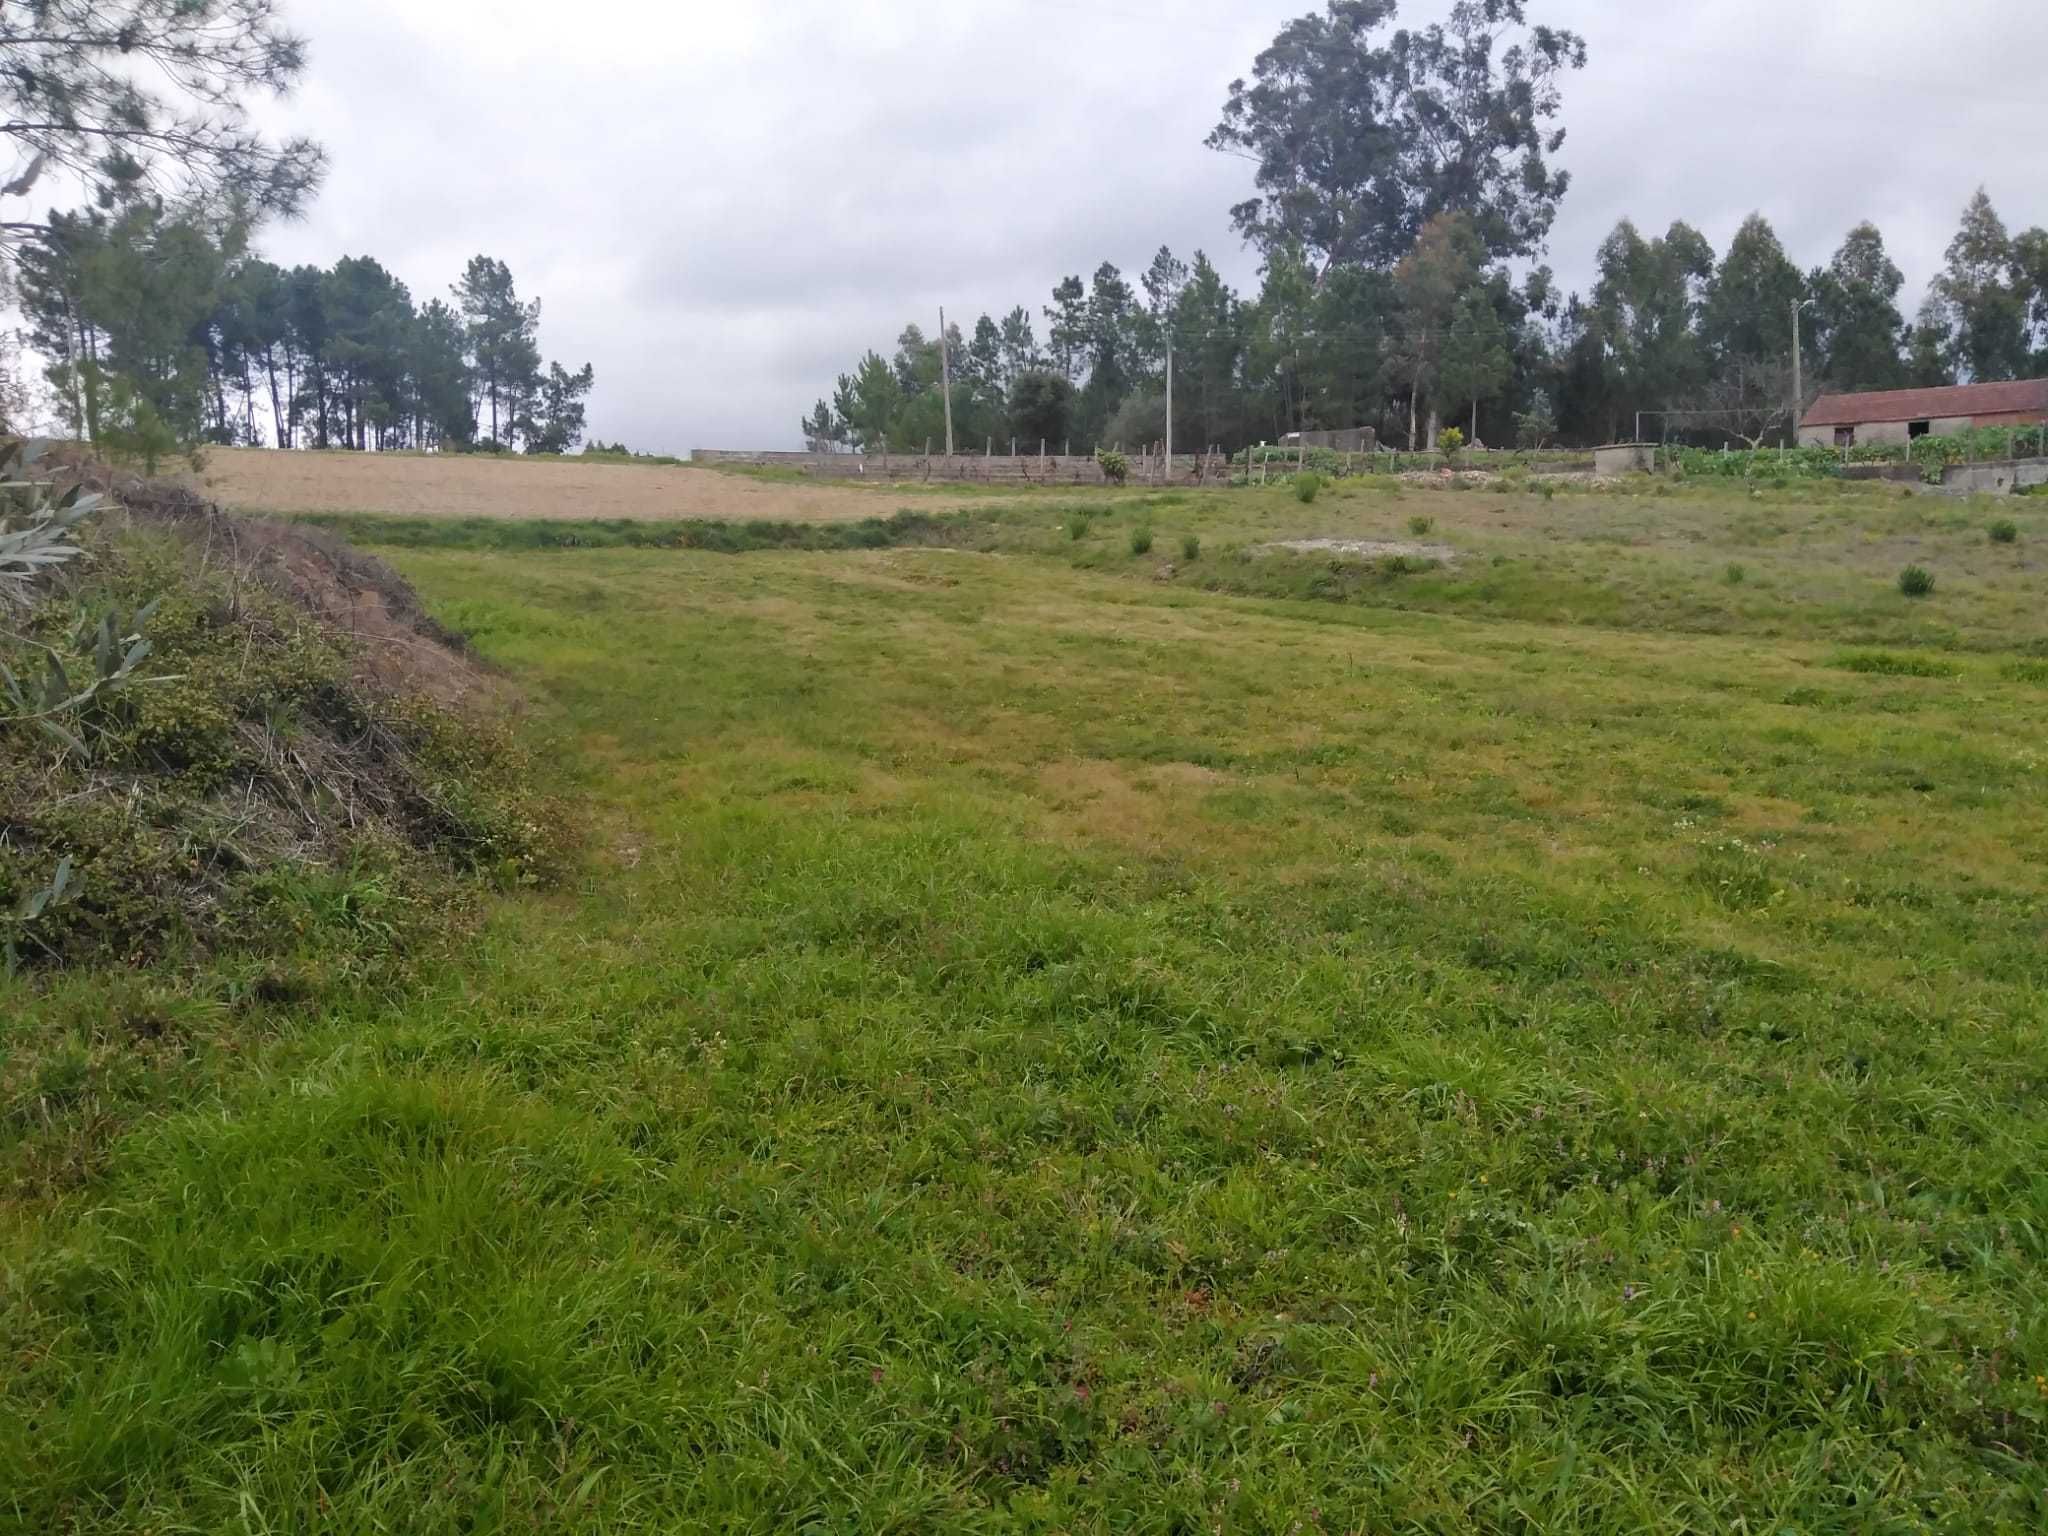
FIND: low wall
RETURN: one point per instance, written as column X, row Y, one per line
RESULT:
column 1907, row 473
column 991, row 469
column 1995, row 478
column 1625, row 458
column 1341, row 440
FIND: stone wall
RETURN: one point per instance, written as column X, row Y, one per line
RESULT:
column 1342, row 440
column 995, row 469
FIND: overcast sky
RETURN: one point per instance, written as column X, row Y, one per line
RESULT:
column 722, row 205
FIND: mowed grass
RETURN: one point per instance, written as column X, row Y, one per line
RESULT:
column 1036, row 1045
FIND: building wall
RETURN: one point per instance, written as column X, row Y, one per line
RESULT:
column 1895, row 431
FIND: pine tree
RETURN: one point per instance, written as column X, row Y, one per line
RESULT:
column 504, row 355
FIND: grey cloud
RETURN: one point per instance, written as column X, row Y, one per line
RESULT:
column 722, row 206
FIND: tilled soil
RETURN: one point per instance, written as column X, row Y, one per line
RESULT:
column 428, row 485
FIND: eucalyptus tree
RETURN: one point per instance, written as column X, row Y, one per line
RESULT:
column 1359, row 140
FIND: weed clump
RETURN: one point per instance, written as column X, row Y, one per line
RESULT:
column 1420, row 524
column 1892, row 664
column 2005, row 531
column 1307, row 485
column 1734, row 574
column 1190, row 547
column 1141, row 540
column 1077, row 526
column 1916, row 581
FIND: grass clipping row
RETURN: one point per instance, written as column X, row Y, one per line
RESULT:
column 303, row 757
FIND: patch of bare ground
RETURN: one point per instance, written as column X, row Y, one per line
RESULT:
column 1366, row 549
column 475, row 485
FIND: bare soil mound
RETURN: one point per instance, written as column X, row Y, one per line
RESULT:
column 397, row 645
column 276, row 753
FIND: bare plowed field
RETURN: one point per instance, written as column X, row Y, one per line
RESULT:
column 262, row 480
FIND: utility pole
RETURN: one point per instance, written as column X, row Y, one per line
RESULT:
column 946, row 379
column 1798, row 378
column 1798, row 384
column 1169, row 409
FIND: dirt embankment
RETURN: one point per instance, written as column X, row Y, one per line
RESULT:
column 463, row 485
column 397, row 645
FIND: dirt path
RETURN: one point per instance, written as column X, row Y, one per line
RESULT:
column 262, row 480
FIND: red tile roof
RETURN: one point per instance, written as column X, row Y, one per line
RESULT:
column 2019, row 396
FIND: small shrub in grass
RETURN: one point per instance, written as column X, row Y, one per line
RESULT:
column 1420, row 524
column 1306, row 485
column 1893, row 664
column 1116, row 469
column 1916, row 581
column 1734, row 575
column 1449, row 441
column 1190, row 547
column 2005, row 531
column 1077, row 526
column 1549, row 491
column 1141, row 540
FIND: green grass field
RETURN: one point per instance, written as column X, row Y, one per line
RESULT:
column 1048, row 1039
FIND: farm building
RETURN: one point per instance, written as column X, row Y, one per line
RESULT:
column 1899, row 415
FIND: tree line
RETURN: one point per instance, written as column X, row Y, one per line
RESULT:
column 1404, row 177
column 155, row 322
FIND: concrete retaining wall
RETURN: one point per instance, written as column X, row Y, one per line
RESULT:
column 1909, row 473
column 1625, row 458
column 1994, row 479
column 996, row 469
